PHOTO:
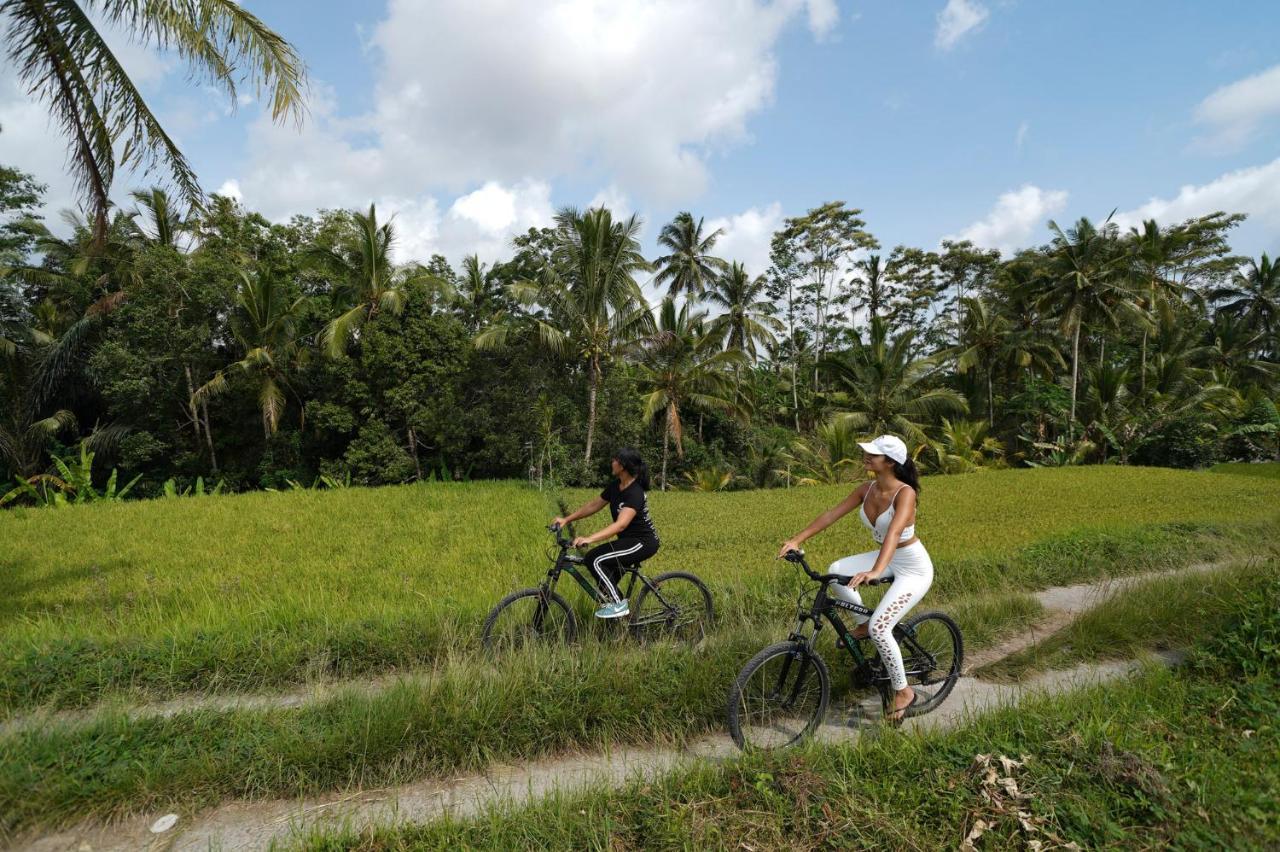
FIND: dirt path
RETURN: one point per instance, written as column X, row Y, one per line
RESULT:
column 255, row 825
column 251, row 826
column 1063, row 603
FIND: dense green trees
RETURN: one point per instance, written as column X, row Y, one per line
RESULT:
column 217, row 344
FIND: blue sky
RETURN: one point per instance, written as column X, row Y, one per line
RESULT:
column 473, row 120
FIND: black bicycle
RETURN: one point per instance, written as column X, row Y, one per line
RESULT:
column 781, row 695
column 673, row 605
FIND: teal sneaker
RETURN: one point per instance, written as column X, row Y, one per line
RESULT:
column 614, row 610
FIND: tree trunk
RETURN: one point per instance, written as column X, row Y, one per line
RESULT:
column 795, row 356
column 1075, row 371
column 413, row 451
column 592, row 387
column 1142, row 377
column 795, row 398
column 666, row 451
column 201, row 426
column 192, row 411
column 208, row 436
column 991, row 403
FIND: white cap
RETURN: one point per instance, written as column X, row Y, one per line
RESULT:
column 887, row 445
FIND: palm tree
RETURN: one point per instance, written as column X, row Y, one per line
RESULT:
column 1254, row 296
column 63, row 60
column 163, row 222
column 680, row 365
column 871, row 290
column 78, row 269
column 1085, row 287
column 884, row 388
column 989, row 340
column 479, row 291
column 586, row 300
column 828, row 457
column 1231, row 352
column 983, row 333
column 24, row 431
column 711, row 478
column 265, row 326
column 747, row 321
column 689, row 267
column 366, row 282
column 1153, row 251
column 964, row 446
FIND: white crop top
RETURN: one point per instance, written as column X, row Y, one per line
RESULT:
column 881, row 527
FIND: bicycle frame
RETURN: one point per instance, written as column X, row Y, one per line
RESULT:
column 826, row 607
column 568, row 563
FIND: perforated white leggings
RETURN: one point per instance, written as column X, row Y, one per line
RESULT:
column 912, row 573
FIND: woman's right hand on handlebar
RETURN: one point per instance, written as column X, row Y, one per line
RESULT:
column 787, row 547
column 559, row 523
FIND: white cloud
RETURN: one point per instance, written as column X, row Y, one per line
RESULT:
column 746, row 236
column 482, row 222
column 635, row 91
column 614, row 199
column 1014, row 218
column 823, row 16
column 1235, row 111
column 958, row 19
column 1255, row 191
column 495, row 209
column 31, row 142
column 230, row 189
column 496, row 100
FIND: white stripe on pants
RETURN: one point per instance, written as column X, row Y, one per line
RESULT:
column 597, row 565
column 912, row 573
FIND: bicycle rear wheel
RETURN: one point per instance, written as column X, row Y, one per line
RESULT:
column 932, row 654
column 677, row 606
column 779, row 698
column 529, row 616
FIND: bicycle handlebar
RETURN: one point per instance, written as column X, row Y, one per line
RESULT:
column 797, row 557
column 562, row 541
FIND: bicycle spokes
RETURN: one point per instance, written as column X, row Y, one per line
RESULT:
column 672, row 606
column 779, row 700
column 533, row 616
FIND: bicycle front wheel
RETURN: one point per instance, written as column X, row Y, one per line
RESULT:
column 529, row 616
column 676, row 605
column 779, row 698
column 932, row 656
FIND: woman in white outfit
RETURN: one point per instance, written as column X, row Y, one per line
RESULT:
column 889, row 512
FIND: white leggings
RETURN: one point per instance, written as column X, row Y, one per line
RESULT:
column 912, row 573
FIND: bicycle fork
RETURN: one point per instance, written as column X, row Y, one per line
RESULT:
column 780, row 686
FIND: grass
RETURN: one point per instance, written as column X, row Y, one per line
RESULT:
column 1269, row 470
column 464, row 716
column 1159, row 614
column 1187, row 759
column 460, row 711
column 257, row 591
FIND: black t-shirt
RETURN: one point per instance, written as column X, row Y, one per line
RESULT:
column 631, row 497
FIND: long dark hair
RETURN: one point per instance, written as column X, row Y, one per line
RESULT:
column 634, row 465
column 907, row 472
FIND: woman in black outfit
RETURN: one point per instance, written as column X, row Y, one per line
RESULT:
column 637, row 539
